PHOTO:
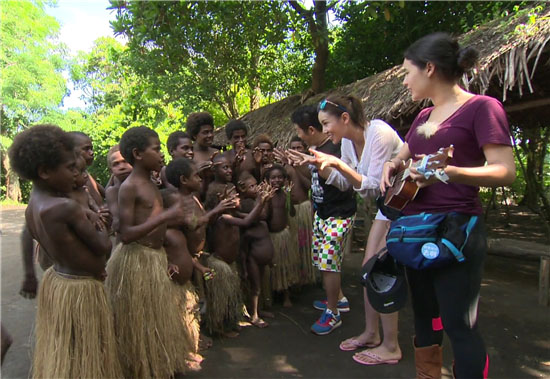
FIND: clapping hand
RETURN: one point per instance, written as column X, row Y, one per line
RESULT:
column 299, row 159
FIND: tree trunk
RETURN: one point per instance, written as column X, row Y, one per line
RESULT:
column 317, row 24
column 320, row 40
column 254, row 84
column 319, row 68
column 13, row 190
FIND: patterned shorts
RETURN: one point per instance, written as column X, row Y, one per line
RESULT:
column 328, row 242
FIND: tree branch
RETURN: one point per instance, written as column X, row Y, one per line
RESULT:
column 306, row 14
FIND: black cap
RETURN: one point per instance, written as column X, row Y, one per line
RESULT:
column 385, row 282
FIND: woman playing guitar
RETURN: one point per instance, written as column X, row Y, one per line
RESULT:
column 478, row 129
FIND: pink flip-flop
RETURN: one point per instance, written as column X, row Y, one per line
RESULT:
column 375, row 359
column 352, row 344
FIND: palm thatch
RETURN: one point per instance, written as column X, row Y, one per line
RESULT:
column 512, row 51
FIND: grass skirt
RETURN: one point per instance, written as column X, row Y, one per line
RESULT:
column 147, row 324
column 224, row 303
column 75, row 336
column 286, row 262
column 301, row 226
column 188, row 309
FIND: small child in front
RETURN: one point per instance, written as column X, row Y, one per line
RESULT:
column 149, row 331
column 75, row 337
column 286, row 262
column 224, row 243
column 257, row 249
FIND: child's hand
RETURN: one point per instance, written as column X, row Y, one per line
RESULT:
column 205, row 165
column 258, row 155
column 105, row 215
column 299, row 159
column 288, row 187
column 172, row 270
column 240, row 155
column 209, row 274
column 281, row 156
column 176, row 214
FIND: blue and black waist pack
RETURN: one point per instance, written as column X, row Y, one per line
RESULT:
column 429, row 240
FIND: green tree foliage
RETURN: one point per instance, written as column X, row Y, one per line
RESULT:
column 212, row 51
column 31, row 61
column 374, row 35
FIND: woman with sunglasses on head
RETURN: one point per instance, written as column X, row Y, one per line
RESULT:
column 447, row 297
column 366, row 145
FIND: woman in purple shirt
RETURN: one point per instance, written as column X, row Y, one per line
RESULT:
column 476, row 125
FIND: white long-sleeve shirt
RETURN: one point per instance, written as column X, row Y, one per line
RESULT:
column 381, row 144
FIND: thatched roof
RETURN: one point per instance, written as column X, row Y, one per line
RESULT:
column 511, row 50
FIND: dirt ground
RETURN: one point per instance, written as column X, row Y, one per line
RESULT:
column 516, row 330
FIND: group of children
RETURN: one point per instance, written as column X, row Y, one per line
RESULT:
column 136, row 270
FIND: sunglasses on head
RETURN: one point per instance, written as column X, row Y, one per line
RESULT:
column 323, row 104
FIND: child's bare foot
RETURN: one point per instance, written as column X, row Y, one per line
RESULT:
column 205, row 342
column 259, row 323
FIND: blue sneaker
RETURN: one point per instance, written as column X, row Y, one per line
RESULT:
column 326, row 323
column 343, row 305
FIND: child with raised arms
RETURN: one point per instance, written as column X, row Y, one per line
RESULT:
column 301, row 225
column 257, row 249
column 285, row 271
column 147, row 323
column 74, row 326
column 185, row 241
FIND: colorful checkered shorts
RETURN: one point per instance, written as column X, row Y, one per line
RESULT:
column 328, row 242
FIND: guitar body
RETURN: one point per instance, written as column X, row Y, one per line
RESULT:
column 404, row 189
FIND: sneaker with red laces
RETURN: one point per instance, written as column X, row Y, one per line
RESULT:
column 326, row 323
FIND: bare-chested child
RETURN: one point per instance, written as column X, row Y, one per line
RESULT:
column 84, row 147
column 200, row 126
column 286, row 260
column 74, row 326
column 147, row 323
column 256, row 246
column 179, row 145
column 120, row 169
column 224, row 237
column 184, row 242
column 302, row 224
column 240, row 155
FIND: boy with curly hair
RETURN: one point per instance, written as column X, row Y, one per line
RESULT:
column 74, row 326
column 147, row 324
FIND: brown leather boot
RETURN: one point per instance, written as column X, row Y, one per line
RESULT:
column 429, row 361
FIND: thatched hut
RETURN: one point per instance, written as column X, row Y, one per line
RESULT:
column 514, row 67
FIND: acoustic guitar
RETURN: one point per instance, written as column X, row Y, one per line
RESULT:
column 403, row 189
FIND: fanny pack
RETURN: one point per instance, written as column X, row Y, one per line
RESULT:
column 429, row 240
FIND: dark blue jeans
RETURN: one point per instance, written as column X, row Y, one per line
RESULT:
column 452, row 293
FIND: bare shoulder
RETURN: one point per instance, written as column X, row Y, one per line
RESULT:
column 60, row 206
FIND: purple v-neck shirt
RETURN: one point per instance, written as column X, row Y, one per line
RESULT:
column 479, row 121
